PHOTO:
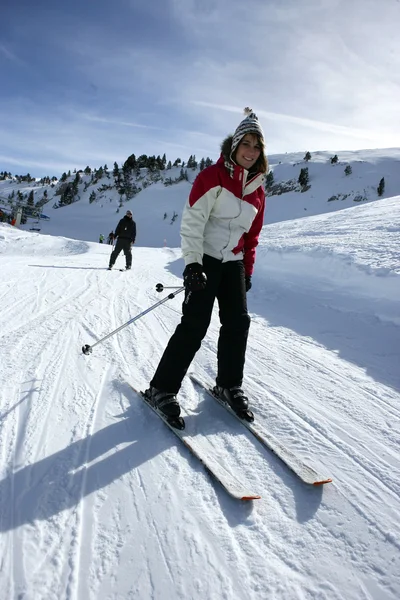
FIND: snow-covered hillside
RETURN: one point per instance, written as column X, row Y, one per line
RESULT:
column 330, row 188
column 99, row 500
column 155, row 206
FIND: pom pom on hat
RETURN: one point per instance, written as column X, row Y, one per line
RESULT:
column 250, row 124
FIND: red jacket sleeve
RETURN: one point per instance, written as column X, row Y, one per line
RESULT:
column 251, row 237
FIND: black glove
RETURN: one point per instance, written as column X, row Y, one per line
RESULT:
column 194, row 278
column 248, row 282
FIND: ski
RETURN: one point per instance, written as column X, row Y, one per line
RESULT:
column 231, row 485
column 306, row 473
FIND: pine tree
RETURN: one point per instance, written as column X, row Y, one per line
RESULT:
column 130, row 162
column 348, row 170
column 307, row 156
column 127, row 186
column 30, row 202
column 381, row 187
column 67, row 197
column 75, row 185
column 334, row 159
column 269, row 179
column 183, row 176
column 191, row 163
column 142, row 161
column 303, row 177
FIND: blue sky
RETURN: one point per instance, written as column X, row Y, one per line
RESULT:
column 92, row 82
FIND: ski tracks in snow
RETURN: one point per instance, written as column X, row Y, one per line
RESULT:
column 108, row 504
column 50, row 390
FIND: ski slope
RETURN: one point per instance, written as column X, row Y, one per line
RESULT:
column 98, row 498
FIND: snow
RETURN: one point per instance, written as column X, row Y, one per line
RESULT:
column 328, row 181
column 85, row 221
column 98, row 498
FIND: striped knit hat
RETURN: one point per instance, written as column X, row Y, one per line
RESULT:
column 249, row 125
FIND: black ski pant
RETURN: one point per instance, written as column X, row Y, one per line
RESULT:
column 226, row 283
column 125, row 245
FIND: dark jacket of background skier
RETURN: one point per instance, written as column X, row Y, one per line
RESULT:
column 125, row 234
column 126, row 229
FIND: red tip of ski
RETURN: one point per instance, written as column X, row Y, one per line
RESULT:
column 322, row 482
column 250, row 498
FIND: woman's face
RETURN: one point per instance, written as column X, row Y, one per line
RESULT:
column 248, row 151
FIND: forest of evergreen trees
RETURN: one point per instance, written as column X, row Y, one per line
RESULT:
column 124, row 178
column 152, row 163
column 129, row 178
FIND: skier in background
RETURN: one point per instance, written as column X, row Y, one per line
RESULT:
column 110, row 239
column 125, row 233
column 101, row 238
column 220, row 226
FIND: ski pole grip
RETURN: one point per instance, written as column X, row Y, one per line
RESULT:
column 160, row 287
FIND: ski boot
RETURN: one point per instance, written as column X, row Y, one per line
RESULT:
column 167, row 405
column 235, row 398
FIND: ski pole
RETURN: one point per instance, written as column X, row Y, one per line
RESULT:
column 160, row 287
column 86, row 349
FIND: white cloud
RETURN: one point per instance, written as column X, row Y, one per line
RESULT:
column 95, row 119
column 321, row 74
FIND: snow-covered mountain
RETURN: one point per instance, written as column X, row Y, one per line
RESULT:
column 329, row 190
column 99, row 500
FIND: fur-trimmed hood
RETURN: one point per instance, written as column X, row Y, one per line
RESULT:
column 226, row 147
